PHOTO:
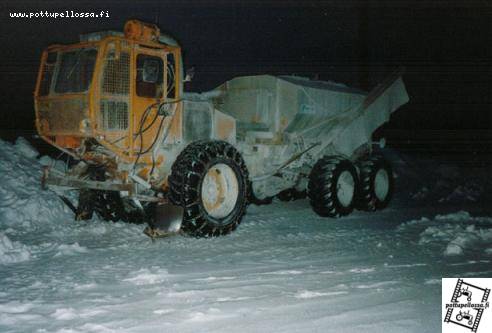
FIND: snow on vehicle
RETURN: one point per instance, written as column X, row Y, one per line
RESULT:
column 193, row 162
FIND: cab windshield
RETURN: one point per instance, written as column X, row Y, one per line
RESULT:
column 75, row 69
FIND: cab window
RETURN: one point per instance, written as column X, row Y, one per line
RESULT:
column 76, row 69
column 150, row 75
column 171, row 76
column 48, row 70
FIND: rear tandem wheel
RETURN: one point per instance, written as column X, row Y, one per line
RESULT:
column 377, row 182
column 332, row 187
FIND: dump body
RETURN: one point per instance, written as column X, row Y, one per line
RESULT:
column 284, row 124
column 276, row 109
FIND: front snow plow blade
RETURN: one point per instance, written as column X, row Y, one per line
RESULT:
column 166, row 221
column 61, row 180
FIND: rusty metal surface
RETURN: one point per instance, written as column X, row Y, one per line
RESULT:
column 63, row 115
column 110, row 112
column 116, row 73
column 49, row 179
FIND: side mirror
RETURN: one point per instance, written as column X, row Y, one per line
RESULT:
column 189, row 74
column 150, row 72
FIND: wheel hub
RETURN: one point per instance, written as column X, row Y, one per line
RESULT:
column 345, row 188
column 220, row 190
column 381, row 184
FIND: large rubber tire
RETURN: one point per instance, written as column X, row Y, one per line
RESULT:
column 189, row 177
column 108, row 205
column 332, row 187
column 377, row 183
column 85, row 206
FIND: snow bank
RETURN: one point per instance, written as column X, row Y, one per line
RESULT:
column 451, row 192
column 452, row 184
column 24, row 147
column 23, row 204
column 456, row 234
column 25, row 208
column 468, row 192
column 12, row 252
column 429, row 179
column 459, row 239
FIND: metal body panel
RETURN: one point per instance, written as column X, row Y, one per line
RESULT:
column 297, row 107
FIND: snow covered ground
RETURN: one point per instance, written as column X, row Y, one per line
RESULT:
column 284, row 270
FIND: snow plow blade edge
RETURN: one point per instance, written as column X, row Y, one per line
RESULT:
column 166, row 222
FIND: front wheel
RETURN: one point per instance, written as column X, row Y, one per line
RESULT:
column 108, row 205
column 332, row 187
column 210, row 181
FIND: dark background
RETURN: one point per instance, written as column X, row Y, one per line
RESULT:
column 446, row 47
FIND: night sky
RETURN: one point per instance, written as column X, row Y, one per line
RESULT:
column 446, row 47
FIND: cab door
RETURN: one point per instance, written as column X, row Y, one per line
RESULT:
column 149, row 87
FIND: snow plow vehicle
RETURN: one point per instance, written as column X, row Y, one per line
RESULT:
column 149, row 152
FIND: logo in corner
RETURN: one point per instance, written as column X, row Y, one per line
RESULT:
column 465, row 303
